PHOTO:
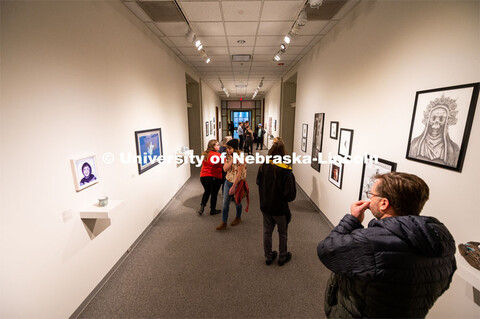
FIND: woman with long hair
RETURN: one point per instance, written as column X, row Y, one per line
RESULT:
column 211, row 176
column 235, row 173
column 276, row 185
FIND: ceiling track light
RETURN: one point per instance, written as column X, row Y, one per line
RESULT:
column 302, row 18
column 190, row 36
column 315, row 4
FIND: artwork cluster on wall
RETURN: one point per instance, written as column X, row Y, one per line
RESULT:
column 439, row 132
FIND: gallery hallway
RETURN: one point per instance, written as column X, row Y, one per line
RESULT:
column 184, row 268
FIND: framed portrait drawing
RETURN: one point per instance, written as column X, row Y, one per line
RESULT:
column 334, row 130
column 304, row 130
column 304, row 144
column 149, row 148
column 317, row 139
column 370, row 169
column 345, row 143
column 441, row 124
column 335, row 173
column 207, row 132
column 85, row 172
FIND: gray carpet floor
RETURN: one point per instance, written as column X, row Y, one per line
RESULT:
column 184, row 268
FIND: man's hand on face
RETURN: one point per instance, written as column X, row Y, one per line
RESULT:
column 357, row 209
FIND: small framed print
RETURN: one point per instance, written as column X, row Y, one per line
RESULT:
column 275, row 125
column 345, row 143
column 334, row 130
column 441, row 124
column 212, row 128
column 85, row 172
column 304, row 145
column 335, row 174
column 372, row 167
column 304, row 130
column 149, row 148
column 207, row 131
column 317, row 141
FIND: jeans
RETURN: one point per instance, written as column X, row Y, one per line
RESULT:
column 226, row 202
column 269, row 223
column 211, row 185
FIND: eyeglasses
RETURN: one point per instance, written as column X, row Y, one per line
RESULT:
column 370, row 194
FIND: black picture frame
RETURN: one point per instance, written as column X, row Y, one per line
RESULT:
column 207, row 131
column 304, row 145
column 304, row 130
column 317, row 141
column 371, row 167
column 335, row 173
column 149, row 147
column 334, row 125
column 345, row 142
column 441, row 123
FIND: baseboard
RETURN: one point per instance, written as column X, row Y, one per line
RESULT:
column 105, row 279
column 319, row 211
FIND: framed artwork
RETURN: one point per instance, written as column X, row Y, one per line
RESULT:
column 275, row 125
column 149, row 148
column 212, row 128
column 269, row 130
column 345, row 143
column 335, row 174
column 84, row 171
column 207, row 132
column 370, row 169
column 317, row 139
column 334, row 130
column 219, row 125
column 441, row 124
column 304, row 145
column 304, row 130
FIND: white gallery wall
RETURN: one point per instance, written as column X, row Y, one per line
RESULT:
column 364, row 74
column 210, row 101
column 78, row 79
column 273, row 100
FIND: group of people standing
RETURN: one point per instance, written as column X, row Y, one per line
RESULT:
column 276, row 184
column 396, row 267
column 247, row 136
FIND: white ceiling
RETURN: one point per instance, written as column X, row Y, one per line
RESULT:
column 220, row 24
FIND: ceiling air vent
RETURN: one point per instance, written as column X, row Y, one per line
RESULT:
column 241, row 57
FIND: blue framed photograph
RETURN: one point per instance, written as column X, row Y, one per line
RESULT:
column 149, row 148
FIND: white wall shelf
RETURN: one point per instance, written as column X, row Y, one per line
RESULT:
column 467, row 272
column 96, row 212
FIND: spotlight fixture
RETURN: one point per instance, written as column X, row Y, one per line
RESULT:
column 287, row 38
column 315, row 4
column 198, row 43
column 223, row 88
column 302, row 18
column 258, row 88
column 190, row 36
column 200, row 47
column 282, row 47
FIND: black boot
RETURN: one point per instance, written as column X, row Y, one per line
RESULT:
column 215, row 211
column 200, row 211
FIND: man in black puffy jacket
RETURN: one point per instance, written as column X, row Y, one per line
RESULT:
column 399, row 265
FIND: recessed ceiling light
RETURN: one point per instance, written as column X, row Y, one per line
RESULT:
column 241, row 41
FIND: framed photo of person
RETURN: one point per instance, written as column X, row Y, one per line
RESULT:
column 441, row 124
column 304, row 145
column 335, row 173
column 334, row 130
column 345, row 143
column 149, row 148
column 207, row 132
column 372, row 167
column 304, row 130
column 85, row 172
column 317, row 139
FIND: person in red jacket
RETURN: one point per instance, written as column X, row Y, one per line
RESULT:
column 211, row 176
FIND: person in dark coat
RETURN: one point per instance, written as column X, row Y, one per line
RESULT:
column 399, row 265
column 276, row 185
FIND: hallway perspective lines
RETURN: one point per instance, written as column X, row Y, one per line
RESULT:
column 184, row 268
